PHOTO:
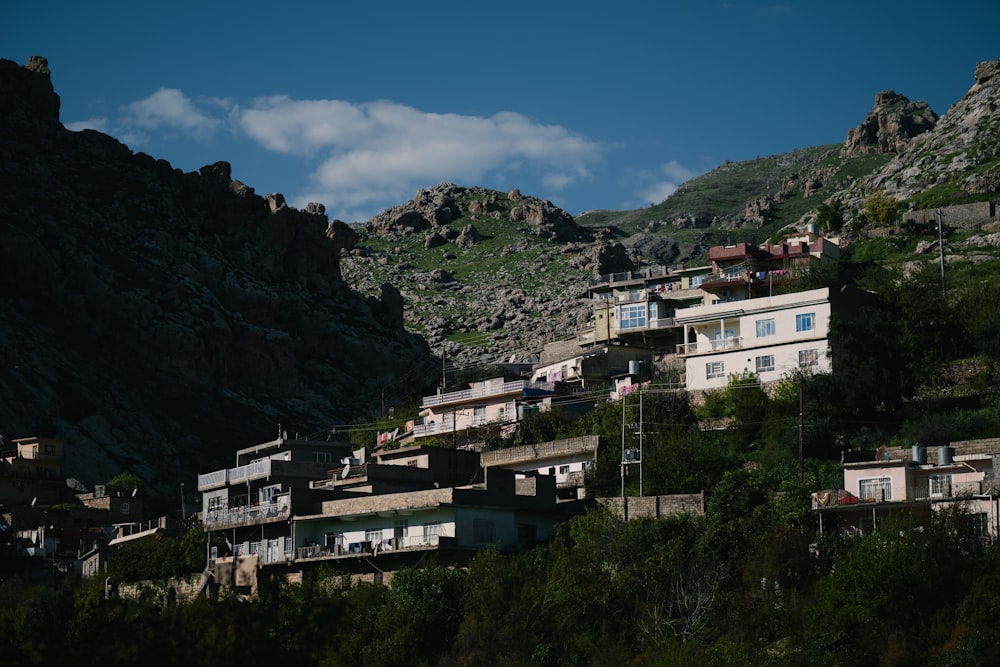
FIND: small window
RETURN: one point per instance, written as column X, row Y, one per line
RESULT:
column 877, row 489
column 765, row 363
column 765, row 327
column 805, row 321
column 563, row 470
column 432, row 528
column 808, row 358
column 373, row 536
column 323, row 457
column 715, row 369
column 124, row 508
column 940, row 485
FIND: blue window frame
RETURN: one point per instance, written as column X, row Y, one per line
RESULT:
column 805, row 321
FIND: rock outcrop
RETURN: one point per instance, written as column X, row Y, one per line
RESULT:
column 889, row 126
column 964, row 143
column 155, row 320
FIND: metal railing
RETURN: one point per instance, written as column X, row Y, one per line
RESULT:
column 216, row 517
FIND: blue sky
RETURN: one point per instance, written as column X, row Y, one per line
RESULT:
column 589, row 104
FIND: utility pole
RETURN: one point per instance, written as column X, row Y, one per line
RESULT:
column 800, row 425
column 940, row 215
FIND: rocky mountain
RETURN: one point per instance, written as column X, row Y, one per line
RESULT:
column 157, row 320
column 486, row 276
column 485, row 281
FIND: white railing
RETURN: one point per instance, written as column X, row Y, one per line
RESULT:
column 261, row 468
column 213, row 480
column 716, row 345
column 449, row 425
column 488, row 390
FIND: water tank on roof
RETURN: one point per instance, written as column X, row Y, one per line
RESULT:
column 812, row 228
column 919, row 455
column 946, row 455
column 633, row 367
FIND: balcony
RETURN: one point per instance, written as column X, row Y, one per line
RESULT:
column 716, row 345
column 834, row 498
column 450, row 425
column 515, row 387
column 368, row 548
column 213, row 480
column 230, row 517
column 651, row 324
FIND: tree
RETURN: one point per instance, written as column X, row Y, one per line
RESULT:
column 881, row 209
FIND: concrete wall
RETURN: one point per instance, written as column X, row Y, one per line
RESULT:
column 655, row 507
column 965, row 216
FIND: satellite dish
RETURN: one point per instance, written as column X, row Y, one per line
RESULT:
column 34, row 500
column 343, row 473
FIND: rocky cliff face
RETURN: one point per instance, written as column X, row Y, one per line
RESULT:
column 962, row 149
column 889, row 126
column 157, row 320
column 502, row 272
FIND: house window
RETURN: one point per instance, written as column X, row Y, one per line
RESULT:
column 484, row 530
column 563, row 470
column 373, row 536
column 335, row 540
column 875, row 488
column 323, row 457
column 940, row 485
column 432, row 529
column 979, row 525
column 632, row 317
column 808, row 358
column 765, row 363
column 805, row 321
column 765, row 327
column 124, row 508
column 696, row 281
column 479, row 412
column 715, row 369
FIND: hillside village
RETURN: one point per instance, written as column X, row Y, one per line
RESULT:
column 725, row 434
column 445, row 483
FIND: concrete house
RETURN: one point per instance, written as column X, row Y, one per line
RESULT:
column 916, row 482
column 366, row 516
column 456, row 415
column 770, row 336
column 638, row 307
column 567, row 461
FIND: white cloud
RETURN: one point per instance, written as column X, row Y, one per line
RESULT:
column 663, row 182
column 169, row 108
column 382, row 151
column 99, row 123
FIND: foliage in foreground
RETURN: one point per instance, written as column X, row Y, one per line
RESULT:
column 739, row 585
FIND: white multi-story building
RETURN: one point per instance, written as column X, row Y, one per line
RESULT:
column 770, row 336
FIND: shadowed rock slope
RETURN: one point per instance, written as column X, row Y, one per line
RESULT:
column 157, row 320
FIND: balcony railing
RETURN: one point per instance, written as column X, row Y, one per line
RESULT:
column 479, row 392
column 261, row 468
column 368, row 548
column 449, row 425
column 716, row 345
column 258, row 513
column 213, row 480
column 834, row 498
